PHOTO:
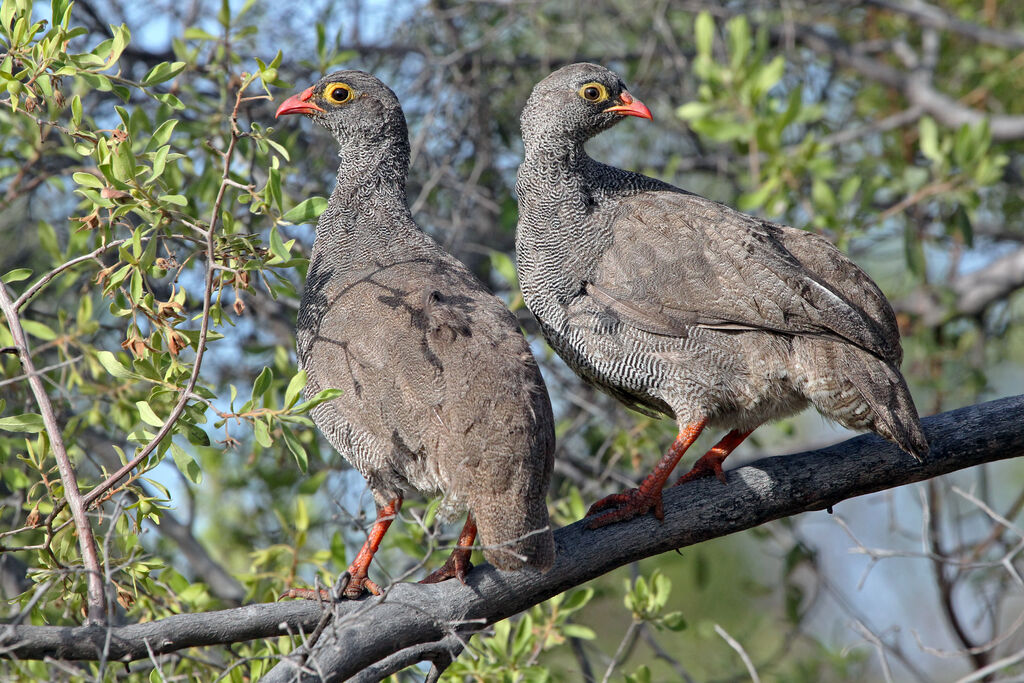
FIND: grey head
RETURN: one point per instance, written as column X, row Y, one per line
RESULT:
column 577, row 102
column 359, row 110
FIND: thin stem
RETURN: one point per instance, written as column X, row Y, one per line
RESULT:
column 204, row 326
column 735, row 645
column 42, row 282
column 86, row 540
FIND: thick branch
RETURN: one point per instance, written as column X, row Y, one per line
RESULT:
column 916, row 86
column 973, row 292
column 367, row 632
column 937, row 18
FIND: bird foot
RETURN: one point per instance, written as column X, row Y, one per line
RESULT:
column 629, row 504
column 349, row 586
column 704, row 467
column 455, row 567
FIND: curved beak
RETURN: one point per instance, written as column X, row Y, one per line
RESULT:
column 631, row 107
column 298, row 104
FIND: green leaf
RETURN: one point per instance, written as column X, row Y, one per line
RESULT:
column 295, row 446
column 162, row 134
column 674, row 621
column 913, row 250
column 176, row 199
column 38, row 330
column 961, row 223
column 578, row 631
column 929, row 133
column 87, row 180
column 193, row 33
column 262, row 384
column 196, row 436
column 148, row 415
column 694, row 110
column 306, row 211
column 704, row 33
column 295, row 387
column 577, row 599
column 17, row 275
column 186, row 464
column 164, row 71
column 261, row 433
column 325, row 395
column 768, row 76
column 28, row 422
column 113, row 366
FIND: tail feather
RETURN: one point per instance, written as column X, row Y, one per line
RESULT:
column 870, row 394
column 514, row 534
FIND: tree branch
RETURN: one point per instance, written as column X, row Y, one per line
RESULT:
column 973, row 292
column 97, row 610
column 936, row 18
column 370, row 631
column 916, row 86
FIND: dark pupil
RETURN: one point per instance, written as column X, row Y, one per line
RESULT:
column 591, row 93
column 339, row 94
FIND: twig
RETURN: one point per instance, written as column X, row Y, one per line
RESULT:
column 735, row 644
column 626, row 643
column 42, row 281
column 204, row 325
column 86, row 541
column 870, row 636
column 993, row 667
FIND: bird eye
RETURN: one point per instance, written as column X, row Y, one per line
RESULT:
column 593, row 92
column 338, row 93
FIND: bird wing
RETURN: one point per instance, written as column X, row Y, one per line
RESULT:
column 679, row 260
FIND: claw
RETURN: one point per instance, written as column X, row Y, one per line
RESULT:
column 457, row 565
column 647, row 496
column 630, row 504
column 711, row 462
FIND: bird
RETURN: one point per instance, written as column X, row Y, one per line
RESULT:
column 680, row 306
column 441, row 393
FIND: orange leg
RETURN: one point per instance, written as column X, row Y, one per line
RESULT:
column 711, row 462
column 357, row 571
column 647, row 496
column 458, row 562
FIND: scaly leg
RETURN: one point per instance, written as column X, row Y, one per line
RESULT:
column 711, row 462
column 457, row 564
column 647, row 496
column 357, row 571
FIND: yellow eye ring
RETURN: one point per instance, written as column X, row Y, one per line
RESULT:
column 593, row 92
column 338, row 93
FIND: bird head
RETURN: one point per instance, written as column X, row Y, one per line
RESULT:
column 354, row 105
column 579, row 101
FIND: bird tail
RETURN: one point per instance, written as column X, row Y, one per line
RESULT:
column 515, row 531
column 890, row 409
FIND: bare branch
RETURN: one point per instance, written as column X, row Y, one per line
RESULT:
column 974, row 292
column 366, row 632
column 86, row 539
column 916, row 86
column 936, row 18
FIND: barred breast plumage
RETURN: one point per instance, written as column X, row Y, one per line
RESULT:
column 678, row 305
column 441, row 393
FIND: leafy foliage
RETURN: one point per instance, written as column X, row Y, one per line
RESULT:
column 156, row 226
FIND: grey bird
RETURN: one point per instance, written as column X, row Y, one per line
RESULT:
column 678, row 305
column 441, row 393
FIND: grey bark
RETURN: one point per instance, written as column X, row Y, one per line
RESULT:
column 367, row 632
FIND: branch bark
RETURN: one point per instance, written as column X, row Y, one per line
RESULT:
column 972, row 293
column 915, row 85
column 369, row 632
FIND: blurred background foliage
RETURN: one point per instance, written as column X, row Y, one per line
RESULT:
column 142, row 174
